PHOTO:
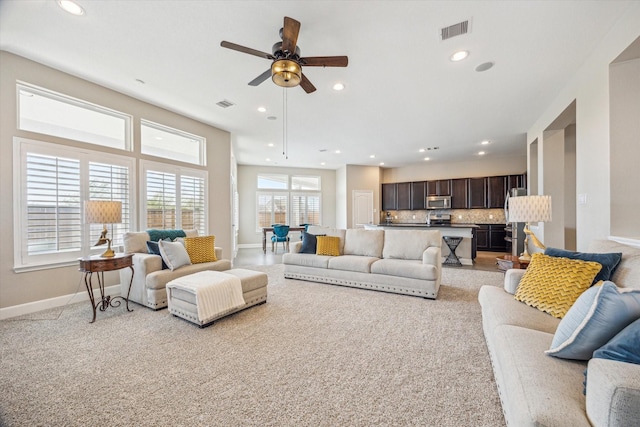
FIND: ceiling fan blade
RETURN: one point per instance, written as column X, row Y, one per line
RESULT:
column 325, row 61
column 290, row 34
column 262, row 77
column 244, row 49
column 307, row 85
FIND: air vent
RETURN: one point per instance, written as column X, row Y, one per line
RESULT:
column 455, row 30
column 225, row 103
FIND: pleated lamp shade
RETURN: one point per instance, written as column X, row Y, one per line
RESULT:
column 102, row 212
column 529, row 209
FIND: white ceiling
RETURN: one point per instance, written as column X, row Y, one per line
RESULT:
column 402, row 92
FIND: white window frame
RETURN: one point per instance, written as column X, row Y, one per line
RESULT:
column 178, row 171
column 200, row 140
column 277, row 178
column 22, row 260
column 59, row 97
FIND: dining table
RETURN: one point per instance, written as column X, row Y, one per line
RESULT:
column 266, row 230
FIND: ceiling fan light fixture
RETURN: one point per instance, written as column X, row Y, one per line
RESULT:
column 286, row 73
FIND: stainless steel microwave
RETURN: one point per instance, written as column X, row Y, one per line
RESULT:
column 439, row 202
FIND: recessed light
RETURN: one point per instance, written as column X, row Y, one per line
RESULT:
column 484, row 66
column 373, row 156
column 159, row 138
column 481, row 153
column 322, row 163
column 268, row 159
column 427, row 158
column 381, row 163
column 270, row 144
column 459, row 56
column 421, row 150
column 338, row 86
column 262, row 109
column 71, row 7
column 337, row 151
column 485, row 142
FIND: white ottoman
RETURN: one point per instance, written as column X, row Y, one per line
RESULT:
column 183, row 303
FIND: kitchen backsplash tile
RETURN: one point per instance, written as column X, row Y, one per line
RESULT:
column 464, row 216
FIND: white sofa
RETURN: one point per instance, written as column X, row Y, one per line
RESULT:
column 149, row 286
column 397, row 261
column 539, row 390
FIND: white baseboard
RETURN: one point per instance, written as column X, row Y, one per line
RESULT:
column 35, row 306
column 626, row 241
column 249, row 245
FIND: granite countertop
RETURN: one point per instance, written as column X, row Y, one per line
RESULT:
column 423, row 225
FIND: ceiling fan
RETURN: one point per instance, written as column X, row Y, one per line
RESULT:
column 286, row 69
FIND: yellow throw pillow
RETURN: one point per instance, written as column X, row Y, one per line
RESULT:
column 328, row 245
column 201, row 249
column 553, row 284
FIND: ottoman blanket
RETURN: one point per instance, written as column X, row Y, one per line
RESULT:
column 216, row 292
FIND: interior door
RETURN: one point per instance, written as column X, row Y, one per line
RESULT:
column 362, row 208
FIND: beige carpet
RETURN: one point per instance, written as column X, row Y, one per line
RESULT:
column 313, row 355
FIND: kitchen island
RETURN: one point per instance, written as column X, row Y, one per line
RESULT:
column 465, row 251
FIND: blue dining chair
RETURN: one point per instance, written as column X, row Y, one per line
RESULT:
column 306, row 227
column 280, row 234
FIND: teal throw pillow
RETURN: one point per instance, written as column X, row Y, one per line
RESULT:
column 596, row 317
column 156, row 235
column 624, row 347
column 608, row 261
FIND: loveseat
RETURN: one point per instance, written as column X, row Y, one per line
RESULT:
column 149, row 278
column 537, row 389
column 396, row 261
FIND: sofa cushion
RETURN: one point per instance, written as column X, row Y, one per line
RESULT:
column 595, row 318
column 154, row 249
column 627, row 274
column 398, row 246
column 136, row 242
column 201, row 249
column 363, row 242
column 327, row 231
column 306, row 260
column 352, row 263
column 174, row 254
column 405, row 268
column 328, row 245
column 553, row 284
column 624, row 347
column 608, row 261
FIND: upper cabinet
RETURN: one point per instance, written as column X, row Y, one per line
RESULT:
column 403, row 195
column 497, row 190
column 459, row 193
column 418, row 195
column 477, row 193
column 389, row 200
column 441, row 187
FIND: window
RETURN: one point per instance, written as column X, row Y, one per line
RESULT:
column 281, row 206
column 162, row 141
column 50, row 113
column 51, row 182
column 176, row 197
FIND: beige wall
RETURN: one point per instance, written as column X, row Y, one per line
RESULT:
column 590, row 88
column 362, row 178
column 489, row 166
column 247, row 187
column 43, row 284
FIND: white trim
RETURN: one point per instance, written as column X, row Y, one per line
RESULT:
column 626, row 241
column 249, row 245
column 35, row 306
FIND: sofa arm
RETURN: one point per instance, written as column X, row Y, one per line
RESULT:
column 294, row 247
column 432, row 256
column 613, row 393
column 143, row 264
column 512, row 280
column 218, row 252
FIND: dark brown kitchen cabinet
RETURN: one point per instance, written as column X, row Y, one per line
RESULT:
column 418, row 195
column 441, row 187
column 403, row 196
column 389, row 197
column 490, row 237
column 459, row 193
column 517, row 181
column 497, row 190
column 482, row 237
column 477, row 193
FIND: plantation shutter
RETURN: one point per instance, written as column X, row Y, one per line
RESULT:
column 161, row 200
column 110, row 182
column 192, row 203
column 305, row 209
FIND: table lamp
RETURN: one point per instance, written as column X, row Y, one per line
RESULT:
column 529, row 209
column 103, row 212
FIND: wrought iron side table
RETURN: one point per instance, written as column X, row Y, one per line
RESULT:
column 98, row 264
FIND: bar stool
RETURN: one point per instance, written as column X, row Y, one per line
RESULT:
column 452, row 243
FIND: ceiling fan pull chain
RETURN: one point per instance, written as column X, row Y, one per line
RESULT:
column 285, row 125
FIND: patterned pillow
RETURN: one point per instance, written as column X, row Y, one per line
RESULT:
column 609, row 261
column 201, row 249
column 553, row 284
column 328, row 245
